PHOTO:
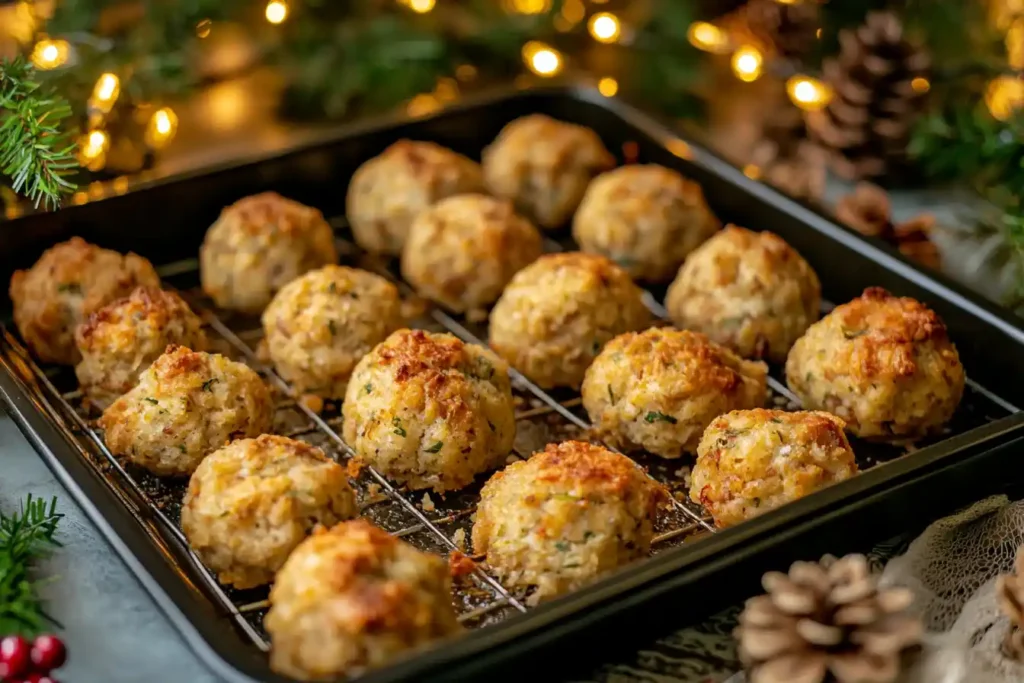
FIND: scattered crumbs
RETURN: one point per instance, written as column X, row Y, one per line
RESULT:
column 460, row 564
column 372, row 489
column 476, row 315
column 312, row 403
column 353, row 467
column 681, row 495
column 427, row 503
column 683, row 474
column 459, row 538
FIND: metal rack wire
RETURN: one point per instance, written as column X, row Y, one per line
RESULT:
column 431, row 526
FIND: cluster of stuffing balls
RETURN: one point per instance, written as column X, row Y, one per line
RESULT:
column 430, row 411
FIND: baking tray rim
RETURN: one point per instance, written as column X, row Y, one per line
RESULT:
column 651, row 576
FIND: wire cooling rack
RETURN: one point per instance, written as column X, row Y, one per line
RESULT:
column 434, row 523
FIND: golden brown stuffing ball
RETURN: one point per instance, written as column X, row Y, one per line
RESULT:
column 123, row 338
column 565, row 516
column 69, row 282
column 884, row 364
column 753, row 461
column 544, row 167
column 258, row 245
column 354, row 598
column 429, row 411
column 187, row 404
column 250, row 503
column 320, row 324
column 388, row 192
column 463, row 251
column 556, row 314
column 748, row 290
column 646, row 218
column 658, row 390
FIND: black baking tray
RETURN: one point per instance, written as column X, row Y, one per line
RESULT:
column 165, row 220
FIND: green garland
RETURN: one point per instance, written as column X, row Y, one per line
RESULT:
column 25, row 537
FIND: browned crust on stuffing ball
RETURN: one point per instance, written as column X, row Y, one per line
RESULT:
column 595, row 467
column 292, row 446
column 713, row 366
column 178, row 360
column 604, row 269
column 415, row 352
column 884, row 329
column 151, row 303
column 819, row 427
column 255, row 212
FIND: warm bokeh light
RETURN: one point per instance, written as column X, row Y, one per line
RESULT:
column 163, row 126
column 752, row 171
column 542, row 59
column 92, row 149
column 605, row 27
column 277, row 11
column 747, row 63
column 573, row 12
column 708, row 37
column 527, row 6
column 808, row 93
column 203, row 28
column 420, row 6
column 423, row 104
column 105, row 93
column 920, row 84
column 1015, row 43
column 608, row 87
column 1004, row 96
column 50, row 54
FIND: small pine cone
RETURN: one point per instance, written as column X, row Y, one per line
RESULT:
column 791, row 28
column 868, row 122
column 1010, row 593
column 867, row 211
column 826, row 621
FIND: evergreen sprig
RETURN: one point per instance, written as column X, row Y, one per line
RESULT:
column 25, row 537
column 35, row 150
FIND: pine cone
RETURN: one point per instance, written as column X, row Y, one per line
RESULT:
column 790, row 28
column 874, row 106
column 867, row 210
column 1010, row 592
column 826, row 621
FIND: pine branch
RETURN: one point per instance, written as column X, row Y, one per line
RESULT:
column 24, row 539
column 35, row 152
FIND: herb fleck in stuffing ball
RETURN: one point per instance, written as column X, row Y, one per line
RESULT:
column 429, row 411
column 320, row 324
column 353, row 598
column 565, row 516
column 544, row 167
column 748, row 290
column 187, row 404
column 753, row 461
column 658, row 390
column 249, row 504
column 257, row 246
column 388, row 192
column 884, row 364
column 69, row 282
column 556, row 314
column 646, row 218
column 463, row 251
column 119, row 341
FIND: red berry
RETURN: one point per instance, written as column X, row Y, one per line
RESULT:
column 48, row 653
column 14, row 657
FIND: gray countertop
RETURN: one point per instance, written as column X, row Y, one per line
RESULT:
column 113, row 630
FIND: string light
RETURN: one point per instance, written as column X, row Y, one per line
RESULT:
column 92, row 149
column 1004, row 96
column 608, row 87
column 747, row 63
column 50, row 54
column 105, row 93
column 808, row 93
column 527, row 6
column 277, row 11
column 163, row 126
column 203, row 28
column 708, row 37
column 542, row 59
column 605, row 27
column 573, row 11
column 419, row 6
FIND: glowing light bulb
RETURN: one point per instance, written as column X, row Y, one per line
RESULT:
column 605, row 27
column 747, row 63
column 542, row 59
column 105, row 93
column 277, row 11
column 527, row 6
column 421, row 6
column 50, row 54
column 163, row 126
column 708, row 37
column 92, row 150
column 608, row 87
column 808, row 93
column 1004, row 96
